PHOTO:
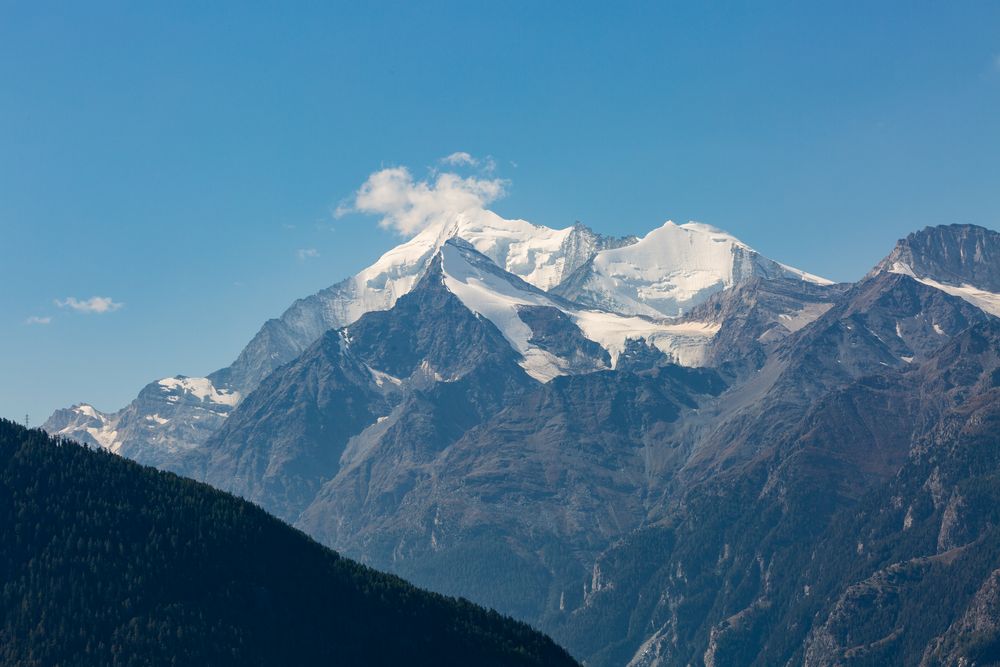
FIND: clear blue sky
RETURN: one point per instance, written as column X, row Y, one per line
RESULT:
column 176, row 156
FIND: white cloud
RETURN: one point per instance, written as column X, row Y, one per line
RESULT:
column 306, row 253
column 460, row 158
column 35, row 319
column 409, row 206
column 95, row 304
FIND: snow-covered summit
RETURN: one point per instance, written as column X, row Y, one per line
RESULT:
column 503, row 298
column 670, row 270
column 539, row 255
column 85, row 423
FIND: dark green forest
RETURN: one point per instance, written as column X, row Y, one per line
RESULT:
column 106, row 562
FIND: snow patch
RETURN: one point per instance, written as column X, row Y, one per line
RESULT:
column 985, row 301
column 381, row 378
column 494, row 297
column 200, row 388
column 800, row 318
column 88, row 411
column 685, row 342
column 106, row 436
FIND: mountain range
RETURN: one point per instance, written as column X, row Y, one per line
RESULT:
column 665, row 450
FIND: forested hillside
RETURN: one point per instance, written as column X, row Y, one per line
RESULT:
column 106, row 562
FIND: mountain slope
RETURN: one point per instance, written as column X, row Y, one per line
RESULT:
column 514, row 511
column 835, row 414
column 106, row 562
column 398, row 386
column 386, row 376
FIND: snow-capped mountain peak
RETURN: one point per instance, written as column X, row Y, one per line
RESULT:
column 508, row 302
column 670, row 270
column 87, row 424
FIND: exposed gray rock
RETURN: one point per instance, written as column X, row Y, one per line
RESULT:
column 951, row 254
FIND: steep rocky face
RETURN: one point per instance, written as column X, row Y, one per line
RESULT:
column 418, row 374
column 833, row 417
column 753, row 318
column 515, row 510
column 554, row 332
column 287, row 437
column 950, row 254
column 881, row 327
column 917, row 559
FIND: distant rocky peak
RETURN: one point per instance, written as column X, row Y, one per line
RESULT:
column 962, row 260
column 950, row 254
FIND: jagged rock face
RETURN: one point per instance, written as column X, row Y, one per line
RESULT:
column 975, row 638
column 554, row 332
column 953, row 255
column 294, row 433
column 756, row 316
column 288, row 436
column 515, row 510
column 882, row 326
column 921, row 552
column 763, row 492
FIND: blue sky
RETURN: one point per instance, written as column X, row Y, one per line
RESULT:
column 177, row 157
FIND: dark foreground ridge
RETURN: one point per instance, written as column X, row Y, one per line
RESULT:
column 106, row 562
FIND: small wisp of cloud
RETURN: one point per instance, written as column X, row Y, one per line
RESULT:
column 38, row 319
column 306, row 253
column 459, row 159
column 94, row 305
column 409, row 205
